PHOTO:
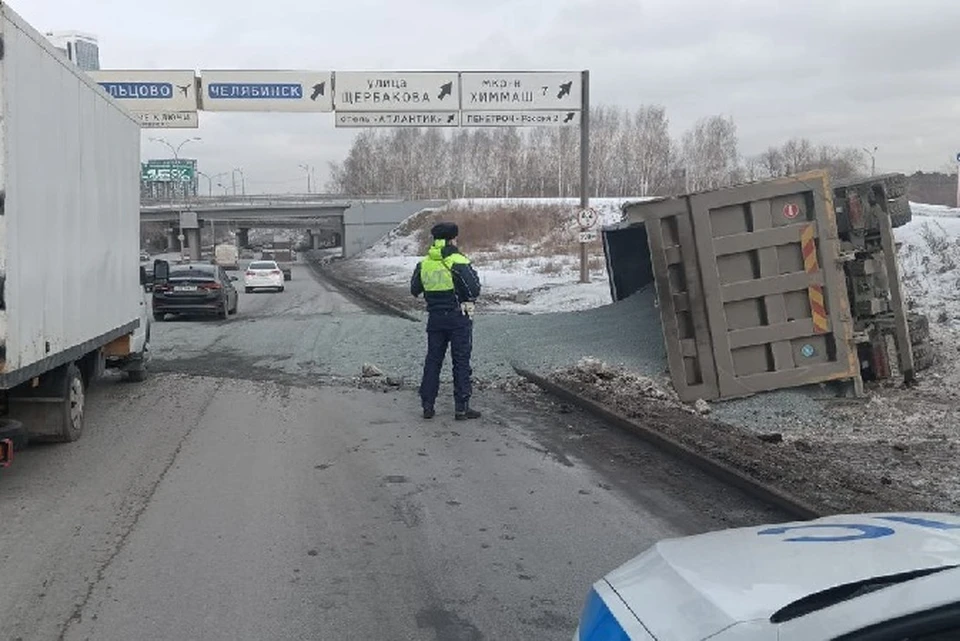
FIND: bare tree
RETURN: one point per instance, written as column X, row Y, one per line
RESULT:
column 631, row 151
column 710, row 153
column 650, row 150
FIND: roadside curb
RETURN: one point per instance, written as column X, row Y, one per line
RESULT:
column 720, row 471
column 356, row 289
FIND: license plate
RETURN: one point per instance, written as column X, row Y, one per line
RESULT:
column 185, row 288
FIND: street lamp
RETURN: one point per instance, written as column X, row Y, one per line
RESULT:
column 210, row 180
column 243, row 182
column 873, row 160
column 309, row 170
column 175, row 150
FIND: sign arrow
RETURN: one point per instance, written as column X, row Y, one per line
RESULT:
column 451, row 117
column 318, row 90
column 446, row 89
column 569, row 116
column 565, row 89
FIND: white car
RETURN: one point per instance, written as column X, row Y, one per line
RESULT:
column 263, row 274
column 863, row 577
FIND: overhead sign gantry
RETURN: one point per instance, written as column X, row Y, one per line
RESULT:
column 172, row 99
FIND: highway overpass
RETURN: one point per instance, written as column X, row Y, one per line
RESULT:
column 360, row 222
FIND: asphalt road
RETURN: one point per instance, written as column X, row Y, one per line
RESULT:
column 250, row 500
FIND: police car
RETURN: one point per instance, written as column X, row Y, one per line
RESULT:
column 863, row 577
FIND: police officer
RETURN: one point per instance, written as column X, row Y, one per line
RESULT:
column 450, row 286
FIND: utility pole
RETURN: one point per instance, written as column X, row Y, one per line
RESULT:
column 243, row 182
column 309, row 170
column 584, row 167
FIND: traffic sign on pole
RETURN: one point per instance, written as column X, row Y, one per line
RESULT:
column 398, row 119
column 587, row 218
column 394, row 91
column 261, row 90
column 520, row 91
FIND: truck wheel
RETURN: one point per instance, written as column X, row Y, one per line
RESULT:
column 919, row 326
column 923, row 356
column 248, row 290
column 73, row 406
column 137, row 375
column 899, row 209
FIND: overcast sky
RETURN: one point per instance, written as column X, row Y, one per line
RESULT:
column 864, row 73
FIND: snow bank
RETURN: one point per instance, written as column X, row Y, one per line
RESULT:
column 512, row 282
column 930, row 262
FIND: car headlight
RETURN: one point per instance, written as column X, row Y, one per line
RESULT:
column 597, row 623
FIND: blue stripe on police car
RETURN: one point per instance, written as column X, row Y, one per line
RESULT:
column 861, row 530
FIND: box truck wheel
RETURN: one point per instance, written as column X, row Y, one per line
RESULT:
column 73, row 405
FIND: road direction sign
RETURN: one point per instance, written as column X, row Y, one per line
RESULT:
column 150, row 90
column 398, row 119
column 520, row 91
column 587, row 218
column 168, row 171
column 265, row 90
column 394, row 91
column 168, row 119
column 521, row 118
column 588, row 236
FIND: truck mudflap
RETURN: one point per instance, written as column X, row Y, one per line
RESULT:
column 12, row 437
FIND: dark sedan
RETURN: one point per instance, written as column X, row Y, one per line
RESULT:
column 195, row 289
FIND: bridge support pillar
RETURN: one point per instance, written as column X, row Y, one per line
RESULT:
column 192, row 237
column 314, row 240
column 243, row 238
column 173, row 243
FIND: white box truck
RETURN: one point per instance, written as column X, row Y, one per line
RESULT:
column 71, row 300
column 226, row 255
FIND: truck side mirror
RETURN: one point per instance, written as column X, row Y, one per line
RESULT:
column 161, row 271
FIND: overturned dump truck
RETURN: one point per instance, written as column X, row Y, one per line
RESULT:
column 770, row 285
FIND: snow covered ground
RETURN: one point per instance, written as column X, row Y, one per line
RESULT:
column 930, row 262
column 513, row 280
column 520, row 283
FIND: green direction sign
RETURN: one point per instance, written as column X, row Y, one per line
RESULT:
column 165, row 171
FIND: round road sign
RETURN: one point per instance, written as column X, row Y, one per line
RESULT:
column 791, row 210
column 587, row 218
column 958, row 157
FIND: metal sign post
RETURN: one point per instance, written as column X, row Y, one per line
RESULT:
column 584, row 167
column 958, row 180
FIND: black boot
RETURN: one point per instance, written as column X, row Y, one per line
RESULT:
column 428, row 412
column 466, row 413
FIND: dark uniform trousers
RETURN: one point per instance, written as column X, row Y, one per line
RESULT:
column 455, row 329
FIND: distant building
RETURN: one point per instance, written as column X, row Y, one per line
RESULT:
column 80, row 48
